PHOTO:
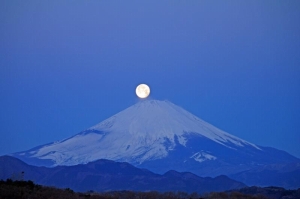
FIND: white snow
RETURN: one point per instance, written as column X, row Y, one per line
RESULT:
column 137, row 134
column 202, row 156
column 163, row 119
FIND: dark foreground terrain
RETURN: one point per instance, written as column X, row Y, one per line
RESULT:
column 27, row 189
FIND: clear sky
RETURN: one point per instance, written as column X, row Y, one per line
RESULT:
column 67, row 65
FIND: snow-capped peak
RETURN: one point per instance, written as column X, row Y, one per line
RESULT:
column 148, row 130
column 157, row 119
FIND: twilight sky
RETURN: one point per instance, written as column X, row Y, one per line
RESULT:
column 67, row 65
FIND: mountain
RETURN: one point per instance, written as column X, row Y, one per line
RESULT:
column 160, row 136
column 280, row 175
column 106, row 175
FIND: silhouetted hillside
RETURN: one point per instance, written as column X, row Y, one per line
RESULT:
column 27, row 189
column 107, row 175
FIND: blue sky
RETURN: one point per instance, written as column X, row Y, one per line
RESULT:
column 67, row 65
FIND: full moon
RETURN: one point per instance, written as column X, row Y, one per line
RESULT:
column 142, row 90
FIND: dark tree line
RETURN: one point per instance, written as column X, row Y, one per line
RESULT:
column 10, row 189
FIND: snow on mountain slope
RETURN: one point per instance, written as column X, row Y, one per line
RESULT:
column 202, row 156
column 148, row 130
column 155, row 119
column 160, row 136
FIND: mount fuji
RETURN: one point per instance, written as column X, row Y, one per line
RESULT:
column 159, row 136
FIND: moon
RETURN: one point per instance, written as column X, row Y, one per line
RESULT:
column 142, row 90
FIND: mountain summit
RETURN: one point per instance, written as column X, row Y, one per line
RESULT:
column 159, row 136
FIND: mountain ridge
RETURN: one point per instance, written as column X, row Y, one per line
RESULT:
column 149, row 124
column 106, row 175
column 159, row 136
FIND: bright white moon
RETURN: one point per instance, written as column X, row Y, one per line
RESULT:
column 142, row 90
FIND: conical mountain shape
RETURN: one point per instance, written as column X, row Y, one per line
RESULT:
column 159, row 136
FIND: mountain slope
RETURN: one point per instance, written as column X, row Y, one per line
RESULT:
column 145, row 131
column 159, row 136
column 280, row 175
column 105, row 175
